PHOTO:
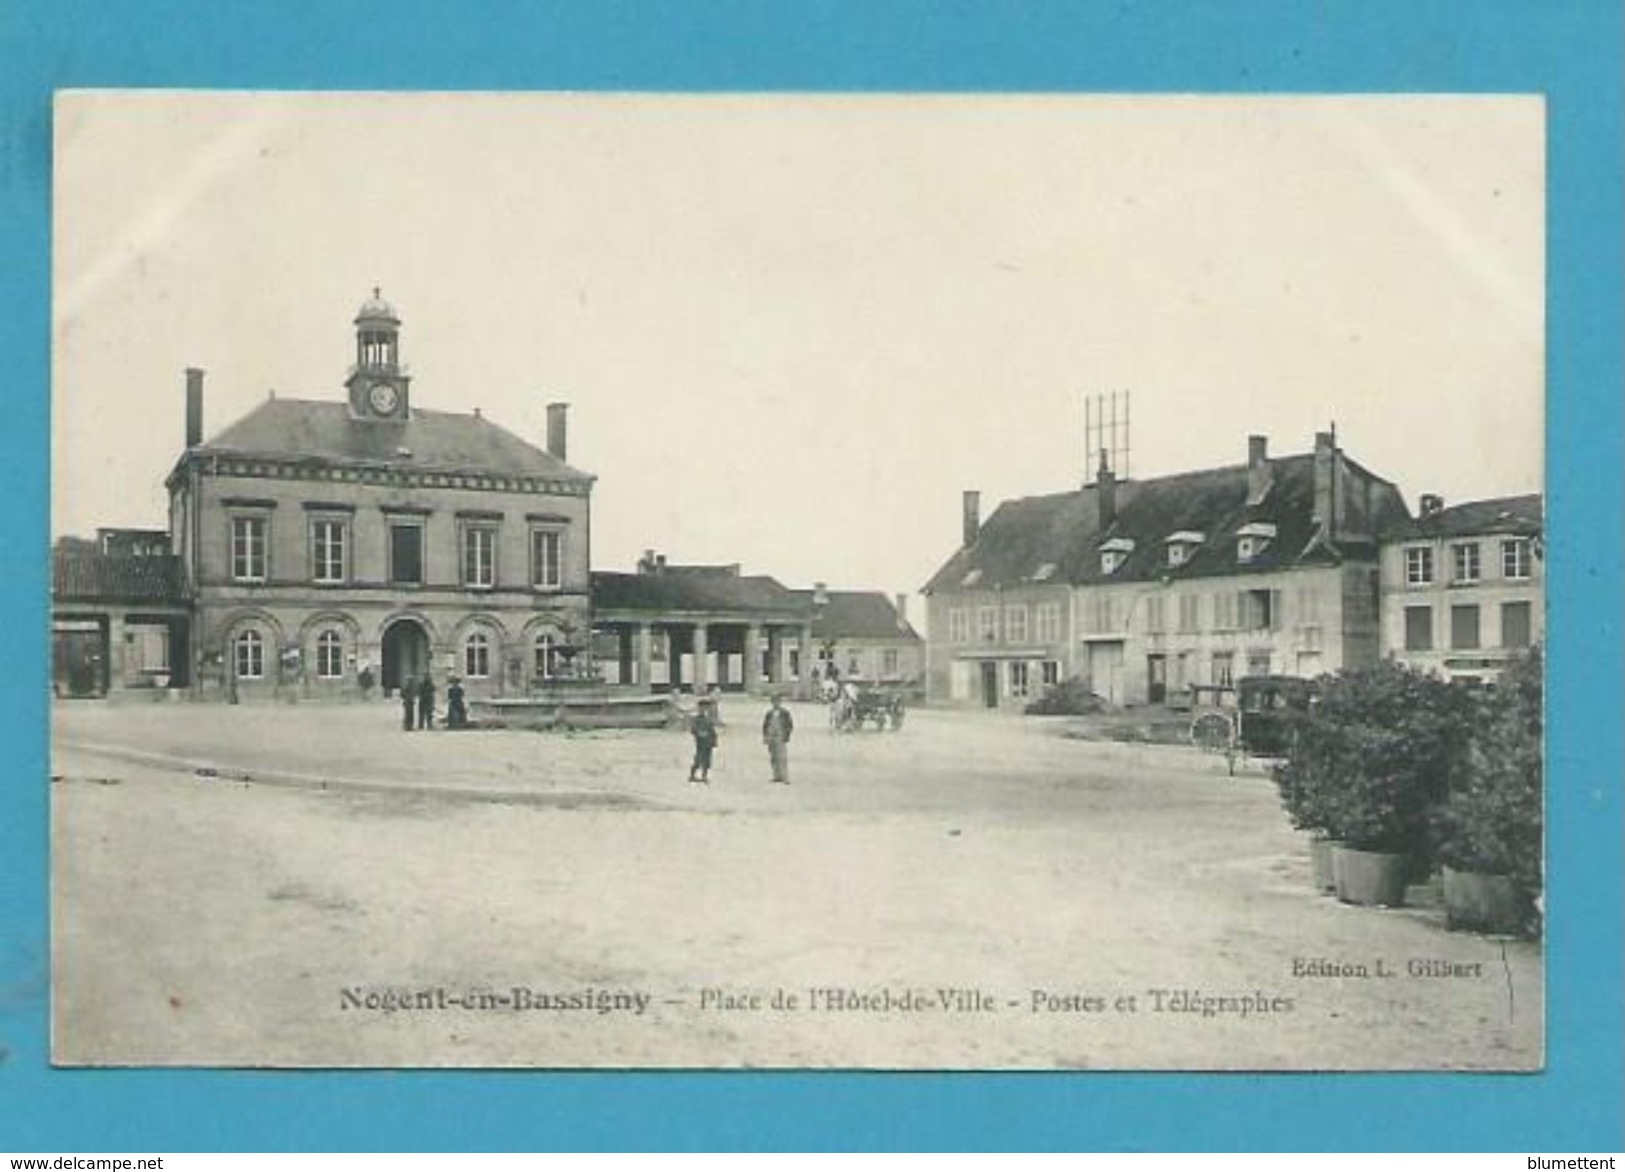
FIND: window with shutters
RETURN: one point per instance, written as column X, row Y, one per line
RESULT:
column 1047, row 622
column 1515, row 624
column 1418, row 628
column 1464, row 628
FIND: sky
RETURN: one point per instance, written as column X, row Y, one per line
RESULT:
column 793, row 329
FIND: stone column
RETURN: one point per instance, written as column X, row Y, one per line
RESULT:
column 645, row 652
column 753, row 659
column 623, row 648
column 775, row 656
column 702, row 677
column 803, row 643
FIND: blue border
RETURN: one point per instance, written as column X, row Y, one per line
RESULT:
column 1567, row 49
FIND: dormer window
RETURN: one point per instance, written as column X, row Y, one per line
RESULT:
column 971, row 578
column 1114, row 553
column 1182, row 545
column 1253, row 539
column 1044, row 572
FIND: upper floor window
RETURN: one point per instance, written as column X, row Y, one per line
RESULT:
column 1515, row 557
column 1047, row 620
column 1252, row 539
column 1419, row 566
column 479, row 556
column 406, row 553
column 889, row 662
column 248, row 548
column 987, row 623
column 546, row 559
column 1154, row 617
column 1114, row 553
column 328, row 542
column 1190, row 612
column 958, row 625
column 1102, row 613
column 1182, row 546
column 1015, row 623
column 1464, row 562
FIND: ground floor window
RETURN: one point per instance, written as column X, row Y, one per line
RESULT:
column 1018, row 680
column 329, row 655
column 249, row 656
column 1052, row 673
column 1515, row 630
column 477, row 656
column 1224, row 666
column 546, row 655
column 1418, row 628
column 1464, row 627
column 1258, row 663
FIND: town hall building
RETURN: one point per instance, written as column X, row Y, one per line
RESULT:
column 324, row 539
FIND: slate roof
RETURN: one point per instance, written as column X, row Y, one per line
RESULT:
column 96, row 577
column 439, row 440
column 856, row 614
column 685, row 589
column 1518, row 515
column 1021, row 536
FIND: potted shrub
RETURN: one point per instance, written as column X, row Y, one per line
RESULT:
column 1303, row 782
column 1489, row 828
column 1374, row 761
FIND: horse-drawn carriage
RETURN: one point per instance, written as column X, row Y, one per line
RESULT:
column 1255, row 718
column 855, row 705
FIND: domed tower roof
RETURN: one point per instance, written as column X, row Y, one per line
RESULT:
column 376, row 309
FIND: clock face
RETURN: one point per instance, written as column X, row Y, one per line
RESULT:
column 383, row 398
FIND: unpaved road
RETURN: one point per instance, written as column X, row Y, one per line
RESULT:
column 266, row 886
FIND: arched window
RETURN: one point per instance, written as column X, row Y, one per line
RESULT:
column 477, row 656
column 249, row 655
column 546, row 654
column 329, row 655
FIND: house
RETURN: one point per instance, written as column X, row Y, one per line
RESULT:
column 1150, row 588
column 1463, row 587
column 671, row 627
column 321, row 538
column 864, row 635
column 120, row 614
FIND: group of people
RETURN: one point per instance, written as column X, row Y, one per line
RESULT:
column 417, row 703
column 777, row 726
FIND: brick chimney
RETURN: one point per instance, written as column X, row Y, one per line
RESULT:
column 1106, row 492
column 1259, row 474
column 820, row 595
column 1431, row 503
column 558, row 431
column 902, row 611
column 972, row 517
column 1328, row 505
column 194, row 406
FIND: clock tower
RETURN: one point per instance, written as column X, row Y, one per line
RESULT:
column 378, row 383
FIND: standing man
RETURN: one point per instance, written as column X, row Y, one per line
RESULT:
column 776, row 729
column 409, row 695
column 426, row 701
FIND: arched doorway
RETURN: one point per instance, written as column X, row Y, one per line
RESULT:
column 406, row 653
